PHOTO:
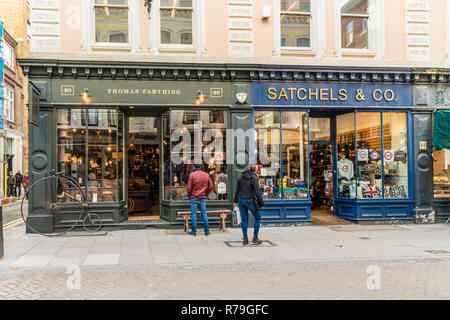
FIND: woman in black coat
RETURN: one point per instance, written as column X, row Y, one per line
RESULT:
column 249, row 197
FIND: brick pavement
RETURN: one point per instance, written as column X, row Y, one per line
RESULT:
column 306, row 263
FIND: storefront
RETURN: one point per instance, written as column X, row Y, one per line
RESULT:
column 341, row 149
column 130, row 136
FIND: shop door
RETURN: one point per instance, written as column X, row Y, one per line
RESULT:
column 322, row 166
column 143, row 158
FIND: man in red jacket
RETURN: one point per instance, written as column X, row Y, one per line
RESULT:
column 198, row 187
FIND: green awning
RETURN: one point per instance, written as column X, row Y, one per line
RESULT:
column 441, row 136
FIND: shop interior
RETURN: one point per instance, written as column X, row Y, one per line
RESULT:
column 143, row 168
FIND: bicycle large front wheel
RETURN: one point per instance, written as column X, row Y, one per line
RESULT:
column 60, row 198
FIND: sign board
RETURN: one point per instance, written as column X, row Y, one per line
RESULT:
column 331, row 94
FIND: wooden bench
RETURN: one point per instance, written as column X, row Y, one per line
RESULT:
column 221, row 213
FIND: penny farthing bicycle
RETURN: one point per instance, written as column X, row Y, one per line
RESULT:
column 60, row 195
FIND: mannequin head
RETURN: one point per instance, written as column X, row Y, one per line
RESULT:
column 343, row 156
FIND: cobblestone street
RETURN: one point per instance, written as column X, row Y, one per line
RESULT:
column 399, row 280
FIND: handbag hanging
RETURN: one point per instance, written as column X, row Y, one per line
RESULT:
column 236, row 216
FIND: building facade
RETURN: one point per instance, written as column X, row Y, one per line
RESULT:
column 16, row 42
column 334, row 102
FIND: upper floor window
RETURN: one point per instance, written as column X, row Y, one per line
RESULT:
column 8, row 105
column 111, row 21
column 295, row 23
column 8, row 54
column 176, row 22
column 354, row 24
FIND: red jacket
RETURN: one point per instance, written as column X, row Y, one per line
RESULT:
column 199, row 185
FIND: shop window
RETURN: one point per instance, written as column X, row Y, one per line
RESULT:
column 111, row 21
column 346, row 165
column 295, row 155
column 295, row 23
column 176, row 19
column 368, row 154
column 91, row 153
column 282, row 156
column 319, row 129
column 354, row 22
column 267, row 135
column 441, row 169
column 395, row 155
column 195, row 137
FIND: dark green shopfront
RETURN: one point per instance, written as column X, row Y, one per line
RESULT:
column 117, row 129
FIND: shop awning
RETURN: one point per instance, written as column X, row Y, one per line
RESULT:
column 441, row 136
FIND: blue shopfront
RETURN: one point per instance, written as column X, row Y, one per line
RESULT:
column 334, row 149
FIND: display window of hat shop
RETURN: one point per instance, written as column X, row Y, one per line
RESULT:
column 372, row 155
column 90, row 150
column 180, row 150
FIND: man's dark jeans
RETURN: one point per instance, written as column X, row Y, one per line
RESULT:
column 195, row 203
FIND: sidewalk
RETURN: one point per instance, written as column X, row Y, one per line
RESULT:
column 174, row 248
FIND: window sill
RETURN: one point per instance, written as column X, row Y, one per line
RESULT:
column 303, row 52
column 111, row 46
column 177, row 50
column 361, row 53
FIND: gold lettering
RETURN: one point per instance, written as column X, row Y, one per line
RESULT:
column 331, row 96
column 386, row 95
column 272, row 93
column 291, row 90
column 343, row 94
column 178, row 91
column 315, row 93
column 282, row 94
column 375, row 92
column 109, row 91
column 298, row 94
column 323, row 94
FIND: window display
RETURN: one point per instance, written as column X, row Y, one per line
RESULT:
column 346, row 169
column 267, row 135
column 382, row 169
column 441, row 168
column 88, row 151
column 396, row 167
column 368, row 154
column 210, row 150
column 285, row 175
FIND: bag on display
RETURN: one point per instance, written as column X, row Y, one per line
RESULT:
column 399, row 156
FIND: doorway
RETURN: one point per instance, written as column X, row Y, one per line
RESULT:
column 321, row 163
column 143, row 181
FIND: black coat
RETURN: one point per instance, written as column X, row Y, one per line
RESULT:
column 248, row 188
column 19, row 179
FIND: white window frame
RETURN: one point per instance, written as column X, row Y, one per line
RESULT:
column 198, row 30
column 376, row 29
column 317, row 32
column 8, row 103
column 88, row 34
column 8, row 57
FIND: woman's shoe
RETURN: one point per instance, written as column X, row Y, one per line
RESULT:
column 256, row 240
column 245, row 240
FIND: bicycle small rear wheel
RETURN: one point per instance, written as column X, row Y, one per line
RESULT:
column 58, row 197
column 92, row 222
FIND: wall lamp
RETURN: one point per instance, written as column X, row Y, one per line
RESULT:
column 86, row 96
column 200, row 97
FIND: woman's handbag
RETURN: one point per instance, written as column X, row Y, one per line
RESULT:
column 236, row 216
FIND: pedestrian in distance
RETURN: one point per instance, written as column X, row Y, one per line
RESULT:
column 198, row 187
column 248, row 197
column 11, row 184
column 25, row 183
column 19, row 180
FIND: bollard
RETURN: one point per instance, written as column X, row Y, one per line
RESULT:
column 2, row 247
